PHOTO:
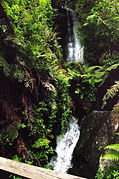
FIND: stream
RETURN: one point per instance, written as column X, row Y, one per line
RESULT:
column 62, row 162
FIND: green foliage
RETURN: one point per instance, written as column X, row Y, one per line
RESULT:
column 87, row 79
column 8, row 135
column 15, row 177
column 111, row 60
column 12, row 132
column 37, row 124
column 100, row 28
column 111, row 170
column 114, row 155
column 35, row 65
column 113, row 147
column 41, row 142
column 21, row 126
column 47, row 114
column 107, row 174
column 99, row 174
column 16, row 158
column 34, row 35
column 111, row 93
column 112, row 67
column 84, row 8
column 5, row 66
column 48, row 166
column 64, row 98
column 45, row 150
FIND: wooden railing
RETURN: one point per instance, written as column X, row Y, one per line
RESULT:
column 30, row 171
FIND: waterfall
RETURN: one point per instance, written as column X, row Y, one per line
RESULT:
column 65, row 148
column 75, row 50
column 67, row 143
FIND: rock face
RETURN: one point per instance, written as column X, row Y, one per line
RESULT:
column 115, row 118
column 98, row 129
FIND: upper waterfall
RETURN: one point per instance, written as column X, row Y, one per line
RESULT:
column 74, row 48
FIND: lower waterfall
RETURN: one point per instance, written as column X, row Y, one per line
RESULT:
column 65, row 148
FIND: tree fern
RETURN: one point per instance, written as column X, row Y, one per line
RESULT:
column 111, row 93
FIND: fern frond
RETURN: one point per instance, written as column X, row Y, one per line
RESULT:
column 111, row 93
column 113, row 156
column 113, row 147
column 4, row 65
column 112, row 67
column 93, row 68
column 99, row 74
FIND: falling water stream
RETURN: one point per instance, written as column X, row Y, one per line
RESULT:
column 75, row 49
column 65, row 148
column 67, row 143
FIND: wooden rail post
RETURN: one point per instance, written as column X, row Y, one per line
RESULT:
column 30, row 171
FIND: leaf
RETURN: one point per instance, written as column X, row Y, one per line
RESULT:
column 113, row 67
column 110, row 93
column 12, row 132
column 94, row 68
column 4, row 65
column 41, row 142
column 113, row 156
column 92, row 19
column 113, row 147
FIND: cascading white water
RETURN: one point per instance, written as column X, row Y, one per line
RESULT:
column 65, row 148
column 75, row 49
column 67, row 143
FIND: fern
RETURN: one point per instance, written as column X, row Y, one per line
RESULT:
column 92, row 68
column 107, row 71
column 5, row 66
column 113, row 147
column 112, row 67
column 111, row 93
column 113, row 156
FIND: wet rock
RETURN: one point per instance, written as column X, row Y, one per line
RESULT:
column 97, row 131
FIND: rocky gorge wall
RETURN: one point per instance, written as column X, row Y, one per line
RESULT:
column 97, row 131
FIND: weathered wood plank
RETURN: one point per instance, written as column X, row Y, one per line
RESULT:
column 31, row 171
